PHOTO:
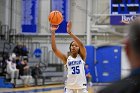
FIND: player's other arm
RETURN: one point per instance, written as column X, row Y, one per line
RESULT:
column 80, row 44
column 58, row 53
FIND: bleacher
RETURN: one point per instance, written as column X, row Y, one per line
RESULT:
column 52, row 73
column 5, row 49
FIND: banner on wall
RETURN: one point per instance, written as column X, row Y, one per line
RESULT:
column 63, row 7
column 29, row 16
column 123, row 10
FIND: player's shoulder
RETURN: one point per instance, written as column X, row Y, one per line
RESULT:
column 69, row 57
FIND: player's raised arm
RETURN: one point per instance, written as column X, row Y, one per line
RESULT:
column 80, row 44
column 58, row 53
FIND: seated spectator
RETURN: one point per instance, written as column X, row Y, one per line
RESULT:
column 21, row 50
column 11, row 68
column 24, row 51
column 24, row 72
column 88, row 75
column 3, row 63
column 18, row 49
column 36, row 73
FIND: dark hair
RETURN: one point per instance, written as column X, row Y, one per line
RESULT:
column 86, row 64
column 71, row 45
column 134, row 35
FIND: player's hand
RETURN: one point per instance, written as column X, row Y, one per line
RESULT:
column 54, row 27
column 69, row 25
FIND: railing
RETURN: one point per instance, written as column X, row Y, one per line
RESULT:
column 4, row 35
column 12, row 35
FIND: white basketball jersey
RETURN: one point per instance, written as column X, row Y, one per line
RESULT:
column 76, row 78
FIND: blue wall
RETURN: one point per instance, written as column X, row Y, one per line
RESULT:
column 90, row 61
column 104, row 63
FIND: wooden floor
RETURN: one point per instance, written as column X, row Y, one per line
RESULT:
column 39, row 89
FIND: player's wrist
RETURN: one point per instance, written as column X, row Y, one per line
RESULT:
column 69, row 32
column 53, row 32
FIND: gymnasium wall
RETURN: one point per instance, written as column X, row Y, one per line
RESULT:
column 78, row 16
column 99, row 9
column 2, row 5
column 17, row 16
column 43, row 16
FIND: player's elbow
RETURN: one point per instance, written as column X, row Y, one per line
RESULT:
column 54, row 49
column 80, row 45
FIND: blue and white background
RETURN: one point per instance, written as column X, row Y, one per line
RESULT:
column 63, row 7
column 29, row 16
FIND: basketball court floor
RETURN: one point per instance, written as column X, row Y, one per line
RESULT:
column 40, row 89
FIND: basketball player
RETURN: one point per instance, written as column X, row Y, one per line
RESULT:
column 76, row 79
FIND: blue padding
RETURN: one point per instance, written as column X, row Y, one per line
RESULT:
column 1, row 80
column 9, row 85
column 90, row 61
column 108, row 63
column 5, row 85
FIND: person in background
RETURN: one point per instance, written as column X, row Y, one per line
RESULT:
column 130, row 84
column 88, row 75
column 18, row 49
column 25, row 52
column 11, row 68
column 21, row 50
column 36, row 73
column 24, row 72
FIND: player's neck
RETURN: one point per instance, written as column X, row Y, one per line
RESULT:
column 74, row 55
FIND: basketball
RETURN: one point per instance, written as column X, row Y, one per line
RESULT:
column 55, row 17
